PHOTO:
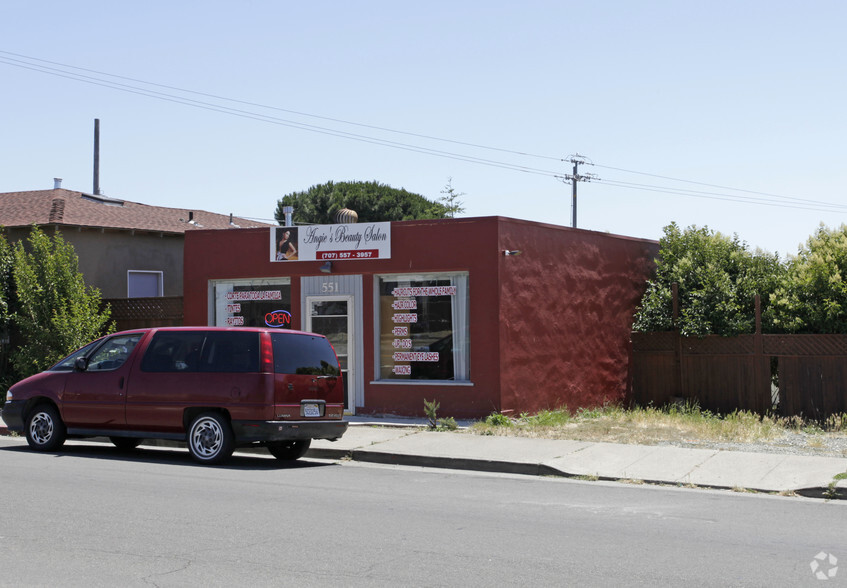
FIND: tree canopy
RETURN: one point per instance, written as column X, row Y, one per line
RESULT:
column 372, row 201
column 812, row 297
column 717, row 277
column 48, row 310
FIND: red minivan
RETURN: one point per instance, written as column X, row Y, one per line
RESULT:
column 214, row 388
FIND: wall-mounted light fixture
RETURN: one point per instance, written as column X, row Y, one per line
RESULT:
column 327, row 267
column 509, row 252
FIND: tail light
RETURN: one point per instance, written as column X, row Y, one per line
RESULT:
column 267, row 354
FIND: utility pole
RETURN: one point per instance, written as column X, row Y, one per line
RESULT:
column 576, row 159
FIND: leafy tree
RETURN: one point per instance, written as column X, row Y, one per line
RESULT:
column 450, row 200
column 812, row 298
column 56, row 313
column 717, row 276
column 7, row 290
column 7, row 306
column 372, row 201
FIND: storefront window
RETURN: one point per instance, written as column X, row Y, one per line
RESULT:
column 253, row 303
column 423, row 327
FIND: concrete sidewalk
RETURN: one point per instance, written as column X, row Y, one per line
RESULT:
column 408, row 442
column 812, row 476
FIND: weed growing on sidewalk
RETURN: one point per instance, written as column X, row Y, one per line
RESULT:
column 435, row 423
column 431, row 412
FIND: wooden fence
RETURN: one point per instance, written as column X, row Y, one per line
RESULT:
column 136, row 313
column 791, row 375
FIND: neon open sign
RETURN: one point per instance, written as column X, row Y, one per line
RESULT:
column 278, row 318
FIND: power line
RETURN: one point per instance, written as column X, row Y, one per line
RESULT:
column 717, row 186
column 576, row 160
column 812, row 205
column 276, row 108
column 276, row 120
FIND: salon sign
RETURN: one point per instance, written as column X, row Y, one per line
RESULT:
column 331, row 242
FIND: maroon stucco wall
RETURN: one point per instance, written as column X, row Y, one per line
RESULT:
column 547, row 327
column 435, row 246
column 566, row 314
column 416, row 247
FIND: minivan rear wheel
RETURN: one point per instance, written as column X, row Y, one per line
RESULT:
column 210, row 438
column 45, row 430
column 290, row 450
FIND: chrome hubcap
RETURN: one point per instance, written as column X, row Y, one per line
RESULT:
column 41, row 428
column 206, row 437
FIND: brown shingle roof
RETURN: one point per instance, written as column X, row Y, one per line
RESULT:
column 66, row 207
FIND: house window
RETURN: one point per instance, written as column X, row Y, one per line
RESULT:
column 252, row 303
column 144, row 284
column 423, row 331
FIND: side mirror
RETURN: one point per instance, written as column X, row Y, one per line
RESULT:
column 81, row 364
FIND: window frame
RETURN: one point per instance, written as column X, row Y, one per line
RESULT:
column 160, row 282
column 217, row 303
column 461, row 332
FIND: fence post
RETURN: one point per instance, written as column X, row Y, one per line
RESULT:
column 675, row 305
column 680, row 391
column 762, row 364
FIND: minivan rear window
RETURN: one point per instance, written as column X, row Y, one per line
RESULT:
column 303, row 354
column 202, row 351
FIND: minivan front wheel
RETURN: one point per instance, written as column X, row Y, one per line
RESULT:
column 210, row 438
column 290, row 450
column 45, row 430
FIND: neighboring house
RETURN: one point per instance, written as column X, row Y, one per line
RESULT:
column 125, row 249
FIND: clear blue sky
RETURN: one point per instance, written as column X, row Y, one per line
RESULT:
column 747, row 98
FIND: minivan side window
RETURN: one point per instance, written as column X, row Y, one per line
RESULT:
column 201, row 351
column 303, row 354
column 112, row 353
column 173, row 352
column 230, row 351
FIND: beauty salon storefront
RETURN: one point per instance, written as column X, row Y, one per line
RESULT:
column 482, row 314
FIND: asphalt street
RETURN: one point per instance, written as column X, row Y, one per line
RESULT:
column 93, row 516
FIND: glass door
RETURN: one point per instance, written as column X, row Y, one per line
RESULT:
column 332, row 316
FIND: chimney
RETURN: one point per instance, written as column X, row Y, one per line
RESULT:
column 96, row 156
column 288, row 211
column 190, row 216
column 57, row 183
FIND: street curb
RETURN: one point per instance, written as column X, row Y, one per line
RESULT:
column 455, row 463
column 489, row 466
column 530, row 469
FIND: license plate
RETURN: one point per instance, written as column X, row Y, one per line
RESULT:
column 311, row 410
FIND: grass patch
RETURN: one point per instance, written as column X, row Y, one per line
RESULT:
column 685, row 423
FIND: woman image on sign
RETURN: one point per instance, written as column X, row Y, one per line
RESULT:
column 286, row 250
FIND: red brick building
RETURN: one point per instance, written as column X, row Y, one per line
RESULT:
column 482, row 314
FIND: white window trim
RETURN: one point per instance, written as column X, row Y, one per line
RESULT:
column 217, row 302
column 463, row 290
